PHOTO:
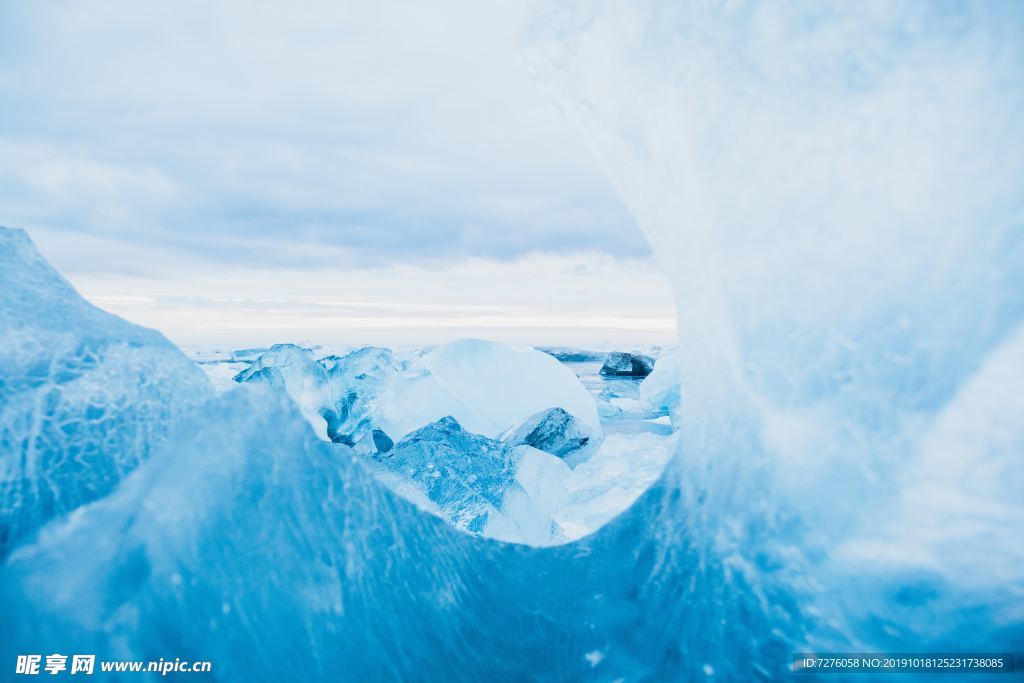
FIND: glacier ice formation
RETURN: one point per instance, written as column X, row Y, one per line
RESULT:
column 368, row 398
column 470, row 480
column 84, row 395
column 250, row 551
column 834, row 191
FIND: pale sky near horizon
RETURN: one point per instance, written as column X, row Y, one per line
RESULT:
column 232, row 175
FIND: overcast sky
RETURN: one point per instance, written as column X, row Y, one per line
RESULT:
column 231, row 174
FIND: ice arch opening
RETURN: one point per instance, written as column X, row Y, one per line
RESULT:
column 841, row 395
column 293, row 156
column 537, row 445
column 832, row 189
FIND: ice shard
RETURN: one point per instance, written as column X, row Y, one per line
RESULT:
column 465, row 475
column 355, row 382
column 621, row 364
column 556, row 432
column 660, row 390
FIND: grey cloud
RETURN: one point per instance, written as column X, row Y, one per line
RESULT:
column 230, row 132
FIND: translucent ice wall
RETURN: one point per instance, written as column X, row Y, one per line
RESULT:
column 835, row 190
column 84, row 395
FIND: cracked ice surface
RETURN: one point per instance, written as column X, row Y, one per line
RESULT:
column 84, row 395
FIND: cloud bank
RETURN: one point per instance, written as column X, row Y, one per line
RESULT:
column 159, row 145
column 389, row 131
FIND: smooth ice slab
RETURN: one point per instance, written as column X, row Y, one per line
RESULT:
column 835, row 191
column 487, row 386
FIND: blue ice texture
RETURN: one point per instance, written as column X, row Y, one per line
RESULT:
column 833, row 189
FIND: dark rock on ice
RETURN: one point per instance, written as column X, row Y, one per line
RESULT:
column 381, row 441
